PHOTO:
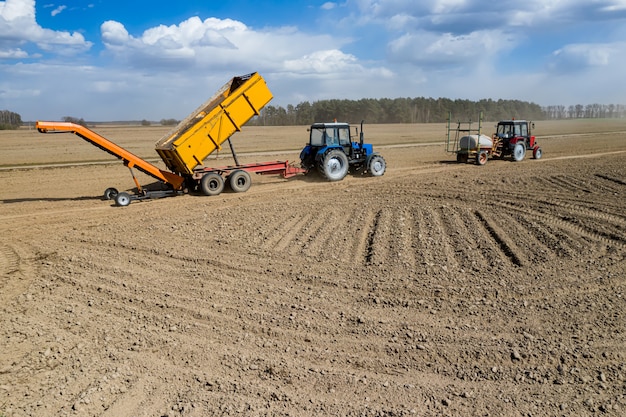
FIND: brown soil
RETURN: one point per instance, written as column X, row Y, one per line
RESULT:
column 437, row 289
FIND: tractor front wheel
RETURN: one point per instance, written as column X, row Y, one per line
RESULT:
column 377, row 166
column 519, row 152
column 537, row 152
column 334, row 165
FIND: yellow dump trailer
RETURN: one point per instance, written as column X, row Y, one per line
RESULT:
column 207, row 128
column 184, row 149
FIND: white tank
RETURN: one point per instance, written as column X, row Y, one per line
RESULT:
column 472, row 142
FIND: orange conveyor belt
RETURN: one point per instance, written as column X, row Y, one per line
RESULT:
column 130, row 160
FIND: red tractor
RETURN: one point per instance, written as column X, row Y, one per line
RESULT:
column 514, row 137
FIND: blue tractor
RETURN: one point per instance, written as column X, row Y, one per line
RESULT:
column 333, row 153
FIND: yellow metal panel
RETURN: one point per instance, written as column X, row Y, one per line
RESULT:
column 211, row 124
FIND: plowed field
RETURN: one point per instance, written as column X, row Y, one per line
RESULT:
column 437, row 289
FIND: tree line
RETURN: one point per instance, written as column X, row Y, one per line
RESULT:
column 398, row 110
column 9, row 120
column 425, row 110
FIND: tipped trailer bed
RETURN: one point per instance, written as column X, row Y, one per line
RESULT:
column 184, row 149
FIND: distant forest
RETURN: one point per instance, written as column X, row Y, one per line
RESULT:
column 426, row 110
column 398, row 110
column 9, row 120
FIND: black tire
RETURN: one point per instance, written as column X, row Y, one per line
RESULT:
column 334, row 165
column 110, row 193
column 239, row 181
column 212, row 184
column 482, row 157
column 537, row 152
column 376, row 166
column 461, row 158
column 519, row 152
column 122, row 199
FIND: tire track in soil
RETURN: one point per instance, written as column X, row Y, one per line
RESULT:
column 373, row 239
column 501, row 239
column 308, row 233
column 326, row 242
column 389, row 240
column 282, row 237
column 9, row 263
column 361, row 239
column 16, row 271
column 472, row 243
column 566, row 240
column 437, row 243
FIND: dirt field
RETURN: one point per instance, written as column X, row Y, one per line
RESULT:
column 437, row 289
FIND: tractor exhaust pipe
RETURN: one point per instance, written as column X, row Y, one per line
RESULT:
column 361, row 135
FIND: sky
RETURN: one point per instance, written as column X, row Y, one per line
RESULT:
column 111, row 60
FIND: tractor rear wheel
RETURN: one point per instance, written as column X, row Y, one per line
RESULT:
column 377, row 166
column 334, row 165
column 537, row 152
column 212, row 184
column 519, row 152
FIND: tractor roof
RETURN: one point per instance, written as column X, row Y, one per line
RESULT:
column 511, row 122
column 332, row 124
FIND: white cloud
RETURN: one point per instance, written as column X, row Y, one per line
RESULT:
column 13, row 54
column 431, row 49
column 213, row 43
column 18, row 25
column 324, row 62
column 329, row 5
column 577, row 57
column 58, row 10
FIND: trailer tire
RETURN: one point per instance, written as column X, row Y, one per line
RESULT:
column 377, row 166
column 122, row 199
column 239, row 181
column 110, row 193
column 537, row 152
column 519, row 152
column 481, row 158
column 212, row 184
column 334, row 165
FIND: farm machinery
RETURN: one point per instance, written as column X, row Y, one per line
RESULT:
column 513, row 138
column 184, row 149
column 332, row 152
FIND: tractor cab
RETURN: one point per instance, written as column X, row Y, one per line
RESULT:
column 330, row 135
column 512, row 131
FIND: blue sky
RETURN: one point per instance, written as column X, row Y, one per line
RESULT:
column 107, row 60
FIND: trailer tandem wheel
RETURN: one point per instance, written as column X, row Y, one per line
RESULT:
column 239, row 181
column 212, row 184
